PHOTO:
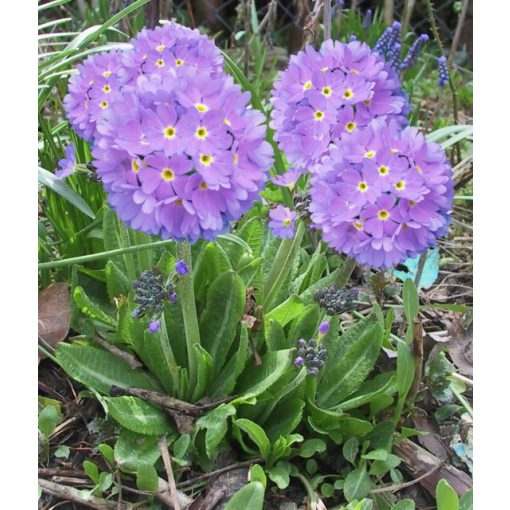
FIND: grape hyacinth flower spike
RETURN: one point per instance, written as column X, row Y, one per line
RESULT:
column 312, row 354
column 413, row 52
column 443, row 76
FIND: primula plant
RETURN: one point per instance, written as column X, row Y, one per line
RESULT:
column 233, row 249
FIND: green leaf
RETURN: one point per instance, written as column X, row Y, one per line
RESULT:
column 344, row 374
column 311, row 447
column 62, row 452
column 226, row 300
column 275, row 336
column 138, row 416
column 257, row 474
column 279, row 474
column 285, row 417
column 147, row 478
column 105, row 481
column 204, row 371
column 350, row 426
column 381, row 384
column 64, row 190
column 446, row 497
column 405, row 368
column 304, row 326
column 132, row 450
column 88, row 307
column 405, row 504
column 250, row 497
column 257, row 435
column 381, row 467
column 466, row 502
column 411, row 301
column 48, row 420
column 226, row 380
column 379, row 454
column 249, row 272
column 107, row 452
column 117, row 283
column 215, row 423
column 257, row 379
column 216, row 261
column 99, row 369
column 350, row 450
column 286, row 311
column 91, row 470
column 252, row 232
column 357, row 484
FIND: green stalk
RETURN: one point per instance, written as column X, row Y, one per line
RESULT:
column 279, row 269
column 186, row 295
column 345, row 273
column 102, row 255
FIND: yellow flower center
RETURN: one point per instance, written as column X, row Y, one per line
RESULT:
column 168, row 174
column 86, row 104
column 383, row 170
column 350, row 126
column 354, row 71
column 383, row 215
column 205, row 159
column 179, row 62
column 358, row 226
column 169, row 132
column 201, row 133
column 203, row 185
column 318, row 115
column 327, row 91
column 307, row 85
column 160, row 48
column 178, row 202
column 370, row 154
column 348, row 94
column 107, row 73
column 160, row 62
column 400, row 185
column 235, row 158
column 103, row 104
column 419, row 169
column 107, row 89
column 394, row 151
column 412, row 203
column 368, row 102
column 287, row 222
column 324, row 69
column 226, row 122
column 363, row 186
column 135, row 166
column 201, row 107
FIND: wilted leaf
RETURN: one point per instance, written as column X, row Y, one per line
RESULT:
column 54, row 318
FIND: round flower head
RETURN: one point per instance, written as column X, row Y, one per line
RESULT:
column 178, row 150
column 328, row 93
column 382, row 195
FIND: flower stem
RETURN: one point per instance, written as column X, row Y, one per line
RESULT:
column 186, row 295
column 327, row 20
column 345, row 273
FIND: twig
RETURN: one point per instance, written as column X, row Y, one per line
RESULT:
column 406, row 15
column 458, row 31
column 312, row 23
column 400, row 486
column 418, row 361
column 129, row 358
column 119, row 486
column 327, row 20
column 193, row 481
column 435, row 31
column 421, row 265
column 169, row 472
column 61, row 472
column 75, row 495
column 190, row 13
column 388, row 11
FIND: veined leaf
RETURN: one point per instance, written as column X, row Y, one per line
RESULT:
column 216, row 261
column 257, row 435
column 411, row 301
column 132, row 450
column 357, row 484
column 446, row 497
column 286, row 311
column 275, row 336
column 99, row 369
column 204, row 371
column 252, row 232
column 139, row 416
column 250, row 497
column 117, row 282
column 94, row 311
column 226, row 301
column 405, row 368
column 215, row 423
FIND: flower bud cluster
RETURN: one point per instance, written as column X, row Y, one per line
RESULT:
column 414, row 51
column 336, row 301
column 312, row 355
column 442, row 71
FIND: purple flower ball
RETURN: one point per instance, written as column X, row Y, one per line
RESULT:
column 282, row 221
column 313, row 372
column 326, row 94
column 383, row 195
column 173, row 297
column 177, row 147
column 181, row 268
column 153, row 326
column 299, row 361
column 301, row 342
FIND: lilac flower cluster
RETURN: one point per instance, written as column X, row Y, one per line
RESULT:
column 282, row 222
column 326, row 94
column 389, row 38
column 442, row 71
column 177, row 148
column 382, row 195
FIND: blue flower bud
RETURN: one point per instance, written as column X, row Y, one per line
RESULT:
column 153, row 326
column 181, row 268
column 324, row 328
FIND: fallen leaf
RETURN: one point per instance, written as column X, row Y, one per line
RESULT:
column 54, row 318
